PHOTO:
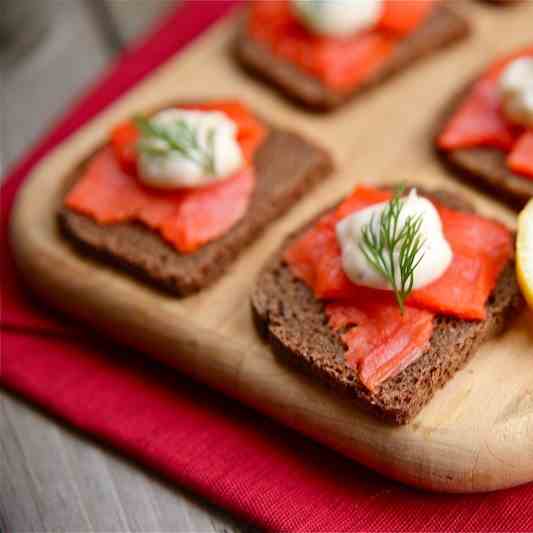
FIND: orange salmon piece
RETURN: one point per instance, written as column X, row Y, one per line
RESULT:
column 110, row 192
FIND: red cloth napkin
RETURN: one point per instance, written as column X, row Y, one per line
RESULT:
column 232, row 456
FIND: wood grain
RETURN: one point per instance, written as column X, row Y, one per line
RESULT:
column 476, row 435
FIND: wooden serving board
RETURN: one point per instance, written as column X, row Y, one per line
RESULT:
column 477, row 433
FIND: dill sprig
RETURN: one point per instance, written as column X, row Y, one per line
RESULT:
column 380, row 243
column 182, row 138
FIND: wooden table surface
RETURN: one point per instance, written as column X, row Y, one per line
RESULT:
column 52, row 478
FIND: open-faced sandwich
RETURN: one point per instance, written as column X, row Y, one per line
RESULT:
column 386, row 297
column 176, row 195
column 322, row 52
column 488, row 133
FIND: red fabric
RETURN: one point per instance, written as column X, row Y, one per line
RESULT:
column 221, row 450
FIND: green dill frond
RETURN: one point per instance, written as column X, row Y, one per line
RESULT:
column 382, row 241
column 181, row 138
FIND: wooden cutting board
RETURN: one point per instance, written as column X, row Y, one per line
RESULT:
column 477, row 433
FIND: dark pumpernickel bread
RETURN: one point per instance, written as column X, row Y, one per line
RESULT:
column 487, row 168
column 293, row 321
column 484, row 167
column 443, row 27
column 287, row 166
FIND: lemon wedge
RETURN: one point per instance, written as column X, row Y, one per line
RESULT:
column 524, row 252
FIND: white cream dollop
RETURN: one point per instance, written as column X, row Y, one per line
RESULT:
column 437, row 253
column 214, row 132
column 337, row 18
column 516, row 86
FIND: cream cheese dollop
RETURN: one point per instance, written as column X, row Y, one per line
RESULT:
column 437, row 253
column 214, row 136
column 516, row 86
column 337, row 18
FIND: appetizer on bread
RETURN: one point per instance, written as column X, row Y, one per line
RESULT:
column 176, row 195
column 386, row 297
column 322, row 52
column 488, row 135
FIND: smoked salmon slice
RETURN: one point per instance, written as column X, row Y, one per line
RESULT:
column 397, row 352
column 344, row 64
column 379, row 340
column 377, row 317
column 340, row 63
column 187, row 219
column 481, row 248
column 404, row 16
column 520, row 160
column 480, row 122
column 110, row 193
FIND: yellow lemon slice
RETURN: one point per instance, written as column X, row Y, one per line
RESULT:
column 524, row 252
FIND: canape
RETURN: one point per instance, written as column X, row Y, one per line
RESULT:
column 176, row 195
column 323, row 52
column 385, row 297
column 488, row 132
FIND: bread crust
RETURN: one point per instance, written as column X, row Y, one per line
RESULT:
column 287, row 166
column 443, row 27
column 293, row 321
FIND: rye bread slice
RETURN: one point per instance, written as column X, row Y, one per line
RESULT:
column 443, row 27
column 484, row 167
column 287, row 166
column 293, row 321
